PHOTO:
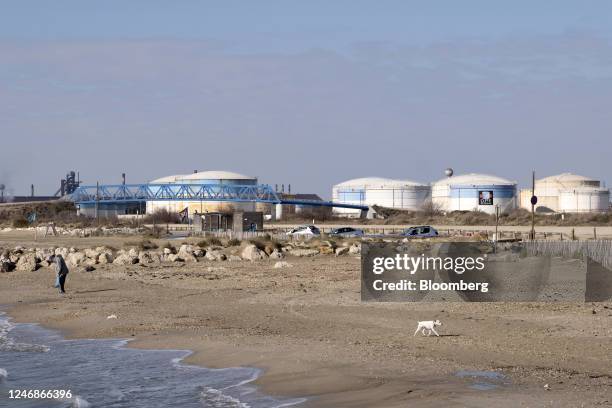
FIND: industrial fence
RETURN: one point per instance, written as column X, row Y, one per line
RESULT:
column 598, row 250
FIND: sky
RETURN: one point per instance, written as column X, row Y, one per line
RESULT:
column 307, row 93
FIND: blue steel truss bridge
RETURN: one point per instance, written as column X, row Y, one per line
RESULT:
column 133, row 193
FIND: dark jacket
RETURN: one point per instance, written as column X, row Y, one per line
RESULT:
column 60, row 266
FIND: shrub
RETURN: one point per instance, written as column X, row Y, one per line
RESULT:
column 162, row 216
column 20, row 222
column 260, row 244
column 214, row 241
column 170, row 247
column 146, row 244
column 233, row 242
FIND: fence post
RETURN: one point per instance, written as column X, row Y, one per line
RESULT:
column 594, row 233
column 573, row 235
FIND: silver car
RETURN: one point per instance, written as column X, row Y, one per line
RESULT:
column 424, row 231
column 305, row 230
column 346, row 232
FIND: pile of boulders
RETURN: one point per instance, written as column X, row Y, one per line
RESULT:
column 82, row 232
column 31, row 259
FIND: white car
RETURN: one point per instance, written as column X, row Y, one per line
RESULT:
column 305, row 230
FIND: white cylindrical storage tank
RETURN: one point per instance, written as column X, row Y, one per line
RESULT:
column 389, row 193
column 204, row 177
column 548, row 190
column 474, row 192
column 585, row 199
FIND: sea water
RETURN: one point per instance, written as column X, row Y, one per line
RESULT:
column 106, row 373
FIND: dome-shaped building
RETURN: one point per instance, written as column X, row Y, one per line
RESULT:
column 204, row 177
column 471, row 192
column 389, row 193
column 567, row 192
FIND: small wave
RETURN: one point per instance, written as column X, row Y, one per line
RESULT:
column 80, row 402
column 7, row 344
column 215, row 398
column 3, row 374
column 297, row 401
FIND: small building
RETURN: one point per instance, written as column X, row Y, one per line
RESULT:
column 228, row 221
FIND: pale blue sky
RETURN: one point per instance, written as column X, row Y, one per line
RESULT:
column 303, row 92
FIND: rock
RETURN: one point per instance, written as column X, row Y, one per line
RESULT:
column 234, row 258
column 105, row 258
column 75, row 258
column 355, row 249
column 185, row 249
column 133, row 253
column 326, row 250
column 304, row 252
column 167, row 251
column 90, row 262
column 7, row 266
column 174, row 258
column 27, row 263
column 147, row 257
column 342, row 251
column 62, row 251
column 89, row 268
column 215, row 255
column 252, row 253
column 44, row 254
column 125, row 259
column 198, row 253
column 282, row 264
column 189, row 258
column 92, row 253
column 269, row 249
column 276, row 254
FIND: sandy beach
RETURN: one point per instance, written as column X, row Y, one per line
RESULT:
column 306, row 327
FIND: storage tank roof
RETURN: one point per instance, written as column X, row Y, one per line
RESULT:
column 564, row 178
column 204, row 175
column 217, row 175
column 166, row 179
column 378, row 182
column 474, row 179
column 585, row 189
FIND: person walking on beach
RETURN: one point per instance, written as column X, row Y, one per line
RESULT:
column 62, row 270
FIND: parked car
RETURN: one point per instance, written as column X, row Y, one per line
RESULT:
column 346, row 232
column 305, row 230
column 424, row 231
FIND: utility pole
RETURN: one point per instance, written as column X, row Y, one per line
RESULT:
column 496, row 229
column 534, row 201
column 97, row 203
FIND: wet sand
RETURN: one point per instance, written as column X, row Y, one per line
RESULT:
column 306, row 327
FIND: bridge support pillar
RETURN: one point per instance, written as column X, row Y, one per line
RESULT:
column 369, row 213
column 277, row 212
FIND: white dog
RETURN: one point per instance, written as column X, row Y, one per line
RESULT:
column 428, row 325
